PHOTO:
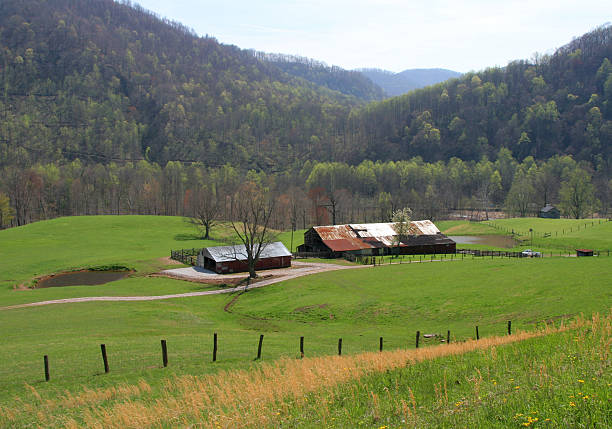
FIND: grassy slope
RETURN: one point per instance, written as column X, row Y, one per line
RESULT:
column 560, row 380
column 357, row 305
column 566, row 235
column 552, row 378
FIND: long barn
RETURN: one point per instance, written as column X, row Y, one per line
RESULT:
column 373, row 239
column 233, row 259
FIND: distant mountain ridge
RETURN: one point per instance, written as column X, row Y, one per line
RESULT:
column 395, row 84
column 348, row 82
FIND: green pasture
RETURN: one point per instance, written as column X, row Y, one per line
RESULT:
column 557, row 381
column 70, row 243
column 464, row 227
column 359, row 305
column 563, row 234
column 556, row 236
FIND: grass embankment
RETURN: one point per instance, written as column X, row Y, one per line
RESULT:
column 557, row 377
column 357, row 305
column 564, row 234
column 142, row 243
column 548, row 235
column 464, row 227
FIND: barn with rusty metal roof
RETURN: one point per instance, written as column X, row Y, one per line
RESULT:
column 422, row 237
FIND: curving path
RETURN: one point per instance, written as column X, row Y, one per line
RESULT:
column 299, row 269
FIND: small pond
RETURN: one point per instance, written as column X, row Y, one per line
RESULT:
column 487, row 240
column 82, row 278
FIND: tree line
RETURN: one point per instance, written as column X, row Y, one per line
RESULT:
column 319, row 193
column 102, row 81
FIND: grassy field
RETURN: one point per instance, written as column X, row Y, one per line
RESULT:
column 357, row 305
column 553, row 377
column 547, row 235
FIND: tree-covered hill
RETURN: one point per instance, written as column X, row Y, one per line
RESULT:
column 101, row 81
column 400, row 83
column 350, row 82
column 557, row 104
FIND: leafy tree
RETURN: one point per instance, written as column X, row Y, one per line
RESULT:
column 521, row 193
column 401, row 219
column 6, row 211
column 578, row 195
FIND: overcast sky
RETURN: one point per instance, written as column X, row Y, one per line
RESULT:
column 392, row 34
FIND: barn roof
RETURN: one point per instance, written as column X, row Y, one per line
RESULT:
column 238, row 252
column 548, row 208
column 342, row 238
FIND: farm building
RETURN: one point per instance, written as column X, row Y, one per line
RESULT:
column 549, row 212
column 233, row 259
column 375, row 239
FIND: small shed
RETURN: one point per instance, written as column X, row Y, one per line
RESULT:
column 233, row 259
column 549, row 212
column 584, row 252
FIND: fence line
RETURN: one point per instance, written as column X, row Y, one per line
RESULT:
column 539, row 234
column 186, row 256
column 421, row 339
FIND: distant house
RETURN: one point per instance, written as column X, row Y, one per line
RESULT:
column 374, row 239
column 233, row 259
column 549, row 212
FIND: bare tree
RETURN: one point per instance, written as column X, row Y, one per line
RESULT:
column 204, row 210
column 250, row 221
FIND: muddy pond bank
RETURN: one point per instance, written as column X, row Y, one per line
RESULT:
column 81, row 278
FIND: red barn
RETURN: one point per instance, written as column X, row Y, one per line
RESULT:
column 422, row 237
column 233, row 259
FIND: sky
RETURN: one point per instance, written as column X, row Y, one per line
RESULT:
column 394, row 35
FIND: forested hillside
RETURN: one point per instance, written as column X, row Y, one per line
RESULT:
column 350, row 82
column 107, row 109
column 557, row 104
column 103, row 81
column 395, row 84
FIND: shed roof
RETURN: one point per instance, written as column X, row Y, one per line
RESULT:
column 238, row 252
column 342, row 238
column 548, row 208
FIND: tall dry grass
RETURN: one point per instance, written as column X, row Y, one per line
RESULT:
column 245, row 398
column 240, row 398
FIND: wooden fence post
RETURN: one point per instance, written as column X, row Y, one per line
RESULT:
column 46, row 360
column 302, row 347
column 477, row 336
column 104, row 358
column 215, row 347
column 448, row 337
column 339, row 346
column 259, row 347
column 418, row 334
column 164, row 353
column 380, row 344
column 509, row 327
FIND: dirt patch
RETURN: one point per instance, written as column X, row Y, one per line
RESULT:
column 219, row 281
column 169, row 261
column 309, row 307
column 208, row 281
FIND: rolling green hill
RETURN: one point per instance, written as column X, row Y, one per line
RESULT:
column 358, row 305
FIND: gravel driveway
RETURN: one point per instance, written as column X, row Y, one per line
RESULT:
column 298, row 269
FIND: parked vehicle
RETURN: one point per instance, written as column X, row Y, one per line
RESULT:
column 531, row 254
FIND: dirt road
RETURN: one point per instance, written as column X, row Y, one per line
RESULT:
column 299, row 269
